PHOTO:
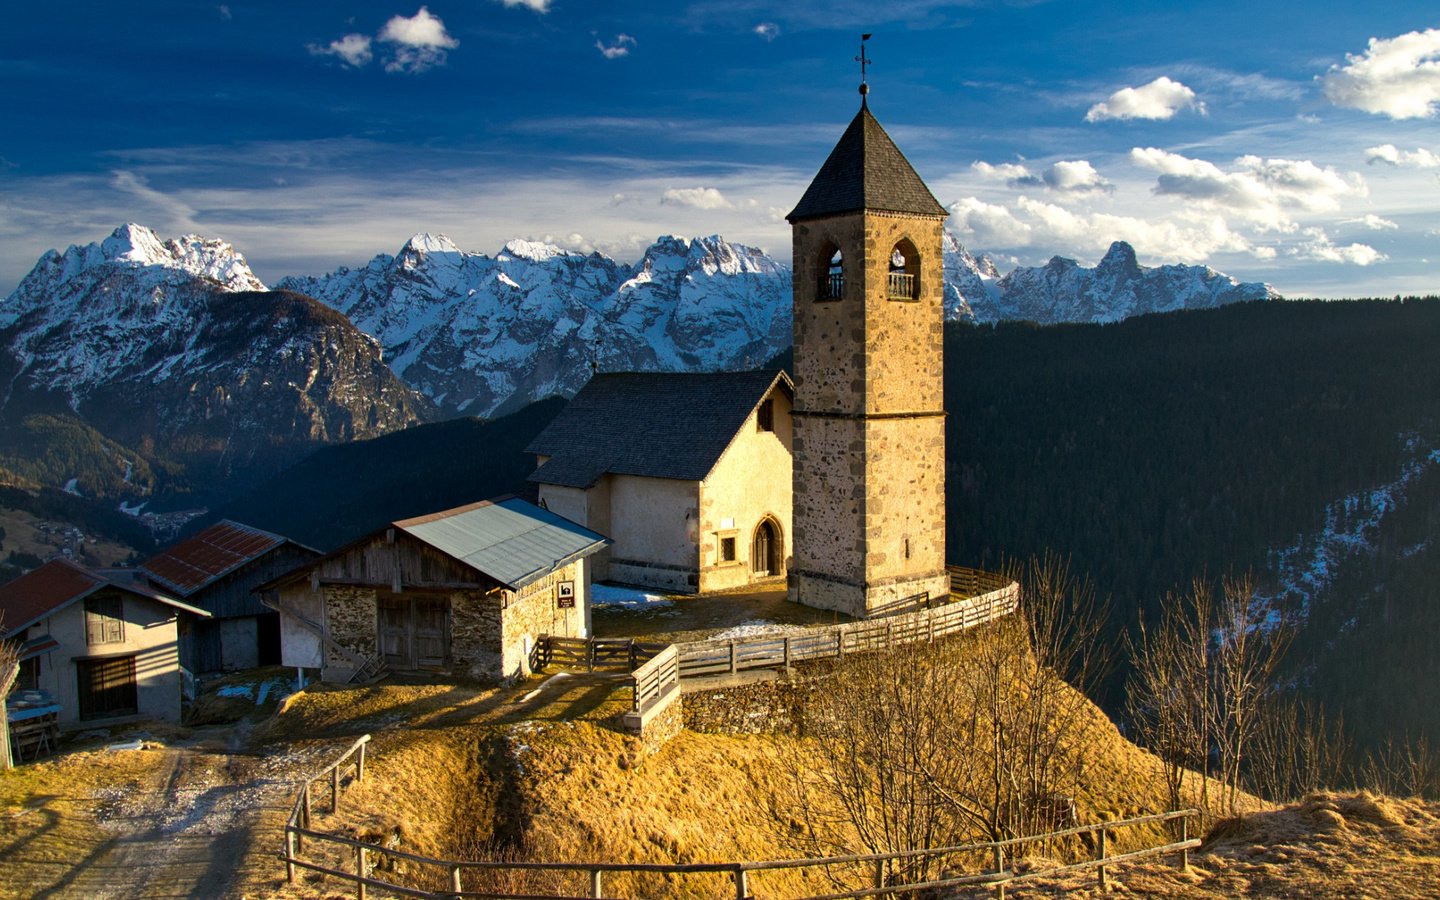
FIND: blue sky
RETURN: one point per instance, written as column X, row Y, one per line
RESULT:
column 1291, row 142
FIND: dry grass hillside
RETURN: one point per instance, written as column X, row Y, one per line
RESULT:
column 543, row 771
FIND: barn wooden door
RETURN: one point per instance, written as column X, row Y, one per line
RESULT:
column 414, row 630
column 395, row 633
column 432, row 620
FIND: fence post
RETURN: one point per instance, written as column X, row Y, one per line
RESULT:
column 590, row 654
column 455, row 880
column 334, row 790
column 289, row 855
column 1000, row 871
column 360, row 764
column 732, row 657
column 595, row 883
column 787, row 653
column 742, row 885
column 1101, row 869
column 304, row 814
column 879, row 873
column 1184, row 836
column 360, row 854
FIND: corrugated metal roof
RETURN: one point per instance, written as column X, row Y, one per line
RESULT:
column 211, row 554
column 866, row 171
column 55, row 585
column 656, row 424
column 510, row 540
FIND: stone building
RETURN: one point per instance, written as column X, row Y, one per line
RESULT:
column 869, row 443
column 102, row 644
column 689, row 474
column 465, row 591
column 217, row 570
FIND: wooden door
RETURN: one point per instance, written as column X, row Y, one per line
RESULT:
column 106, row 687
column 396, row 642
column 432, row 638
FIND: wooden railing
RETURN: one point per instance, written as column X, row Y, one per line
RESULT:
column 976, row 597
column 297, row 827
column 655, row 678
column 886, row 871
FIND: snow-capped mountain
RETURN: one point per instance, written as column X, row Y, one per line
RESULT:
column 1118, row 287
column 483, row 335
column 176, row 347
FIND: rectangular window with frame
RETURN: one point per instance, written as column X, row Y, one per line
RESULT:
column 727, row 549
column 104, row 620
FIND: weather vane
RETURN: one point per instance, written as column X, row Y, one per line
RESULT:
column 864, row 61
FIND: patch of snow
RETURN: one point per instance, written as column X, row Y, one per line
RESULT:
column 236, row 690
column 753, row 628
column 71, row 488
column 632, row 598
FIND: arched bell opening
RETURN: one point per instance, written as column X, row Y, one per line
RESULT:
column 904, row 279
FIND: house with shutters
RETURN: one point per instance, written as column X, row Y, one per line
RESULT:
column 465, row 591
column 103, row 644
column 688, row 473
column 216, row 570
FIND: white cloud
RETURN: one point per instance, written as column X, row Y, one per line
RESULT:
column 698, row 197
column 1160, row 99
column 1261, row 190
column 1372, row 222
column 767, row 30
column 540, row 6
column 1053, row 228
column 352, row 49
column 1394, row 156
column 1320, row 248
column 621, row 47
column 420, row 42
column 1074, row 176
column 225, row 13
column 1397, row 77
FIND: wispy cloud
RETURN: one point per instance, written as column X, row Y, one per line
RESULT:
column 1373, row 223
column 1391, row 155
column 224, row 11
column 1319, row 247
column 698, row 197
column 617, row 48
column 353, row 50
column 1160, row 99
column 539, row 6
column 767, row 30
column 1397, row 77
column 1076, row 176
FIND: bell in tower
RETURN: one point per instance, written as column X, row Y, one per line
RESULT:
column 869, row 420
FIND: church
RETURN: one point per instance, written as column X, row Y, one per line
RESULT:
column 834, row 482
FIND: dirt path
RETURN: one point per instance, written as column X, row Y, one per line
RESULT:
column 210, row 828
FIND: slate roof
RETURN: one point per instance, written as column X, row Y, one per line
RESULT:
column 510, row 540
column 209, row 555
column 866, row 171
column 59, row 583
column 656, row 424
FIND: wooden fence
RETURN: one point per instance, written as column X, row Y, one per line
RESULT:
column 977, row 597
column 885, row 871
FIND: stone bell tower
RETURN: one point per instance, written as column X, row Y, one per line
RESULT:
column 869, row 420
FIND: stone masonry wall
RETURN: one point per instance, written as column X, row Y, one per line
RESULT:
column 351, row 617
column 475, row 633
column 533, row 612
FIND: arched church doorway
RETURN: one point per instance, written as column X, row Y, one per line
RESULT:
column 768, row 554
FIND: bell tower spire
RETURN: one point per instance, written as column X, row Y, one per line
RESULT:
column 869, row 420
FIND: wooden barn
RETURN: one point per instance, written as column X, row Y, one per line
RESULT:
column 100, row 645
column 217, row 570
column 465, row 591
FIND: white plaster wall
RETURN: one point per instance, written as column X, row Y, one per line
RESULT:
column 654, row 520
column 751, row 481
column 150, row 636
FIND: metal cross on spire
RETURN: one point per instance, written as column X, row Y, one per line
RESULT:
column 864, row 61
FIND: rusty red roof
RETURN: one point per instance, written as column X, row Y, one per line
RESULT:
column 38, row 593
column 209, row 555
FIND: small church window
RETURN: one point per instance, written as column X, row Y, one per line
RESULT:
column 765, row 415
column 727, row 549
column 904, row 272
column 832, row 276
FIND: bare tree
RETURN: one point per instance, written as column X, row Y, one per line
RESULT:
column 1296, row 750
column 9, row 670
